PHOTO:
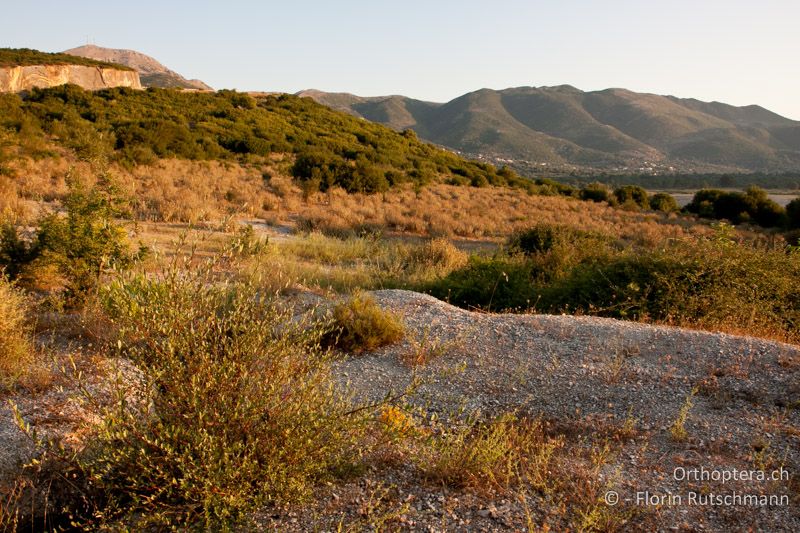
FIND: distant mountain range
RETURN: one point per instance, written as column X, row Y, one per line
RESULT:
column 151, row 72
column 562, row 129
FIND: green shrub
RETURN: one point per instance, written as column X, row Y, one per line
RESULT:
column 664, row 202
column 632, row 285
column 542, row 238
column 488, row 283
column 549, row 187
column 16, row 348
column 16, row 253
column 81, row 245
column 595, row 192
column 359, row 325
column 234, row 407
column 554, row 249
column 713, row 283
column 632, row 195
column 793, row 213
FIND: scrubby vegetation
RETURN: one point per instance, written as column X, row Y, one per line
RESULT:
column 752, row 206
column 20, row 57
column 332, row 149
column 229, row 407
column 80, row 246
column 664, row 202
column 225, row 403
column 712, row 283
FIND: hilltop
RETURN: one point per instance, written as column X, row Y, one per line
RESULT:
column 151, row 72
column 24, row 69
column 564, row 129
column 23, row 57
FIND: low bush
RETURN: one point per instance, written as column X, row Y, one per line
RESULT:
column 498, row 283
column 359, row 325
column 232, row 408
column 793, row 213
column 664, row 202
column 595, row 192
column 632, row 195
column 543, row 238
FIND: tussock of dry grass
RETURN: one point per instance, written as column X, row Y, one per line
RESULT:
column 16, row 349
column 360, row 325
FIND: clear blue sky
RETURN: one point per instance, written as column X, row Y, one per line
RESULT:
column 735, row 51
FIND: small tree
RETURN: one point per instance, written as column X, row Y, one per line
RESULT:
column 87, row 240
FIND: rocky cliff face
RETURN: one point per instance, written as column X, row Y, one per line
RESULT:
column 153, row 73
column 16, row 79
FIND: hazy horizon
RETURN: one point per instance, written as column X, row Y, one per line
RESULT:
column 731, row 52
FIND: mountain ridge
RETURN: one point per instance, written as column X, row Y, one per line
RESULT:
column 615, row 129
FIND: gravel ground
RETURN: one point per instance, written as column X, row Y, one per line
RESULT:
column 587, row 373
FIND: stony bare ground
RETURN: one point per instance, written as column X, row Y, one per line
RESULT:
column 590, row 379
column 605, row 386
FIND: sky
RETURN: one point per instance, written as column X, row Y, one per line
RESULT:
column 734, row 51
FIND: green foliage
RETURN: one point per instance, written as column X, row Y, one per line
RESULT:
column 543, row 238
column 81, row 245
column 20, row 57
column 752, row 206
column 359, row 325
column 16, row 253
column 664, row 202
column 632, row 195
column 554, row 250
column 708, row 283
column 232, row 408
column 331, row 148
column 550, row 187
column 488, row 283
column 793, row 213
column 595, row 192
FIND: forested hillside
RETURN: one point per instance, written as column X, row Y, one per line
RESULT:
column 331, row 148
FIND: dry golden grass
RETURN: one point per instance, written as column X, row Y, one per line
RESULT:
column 12, row 206
column 484, row 213
column 170, row 190
column 17, row 358
column 174, row 190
